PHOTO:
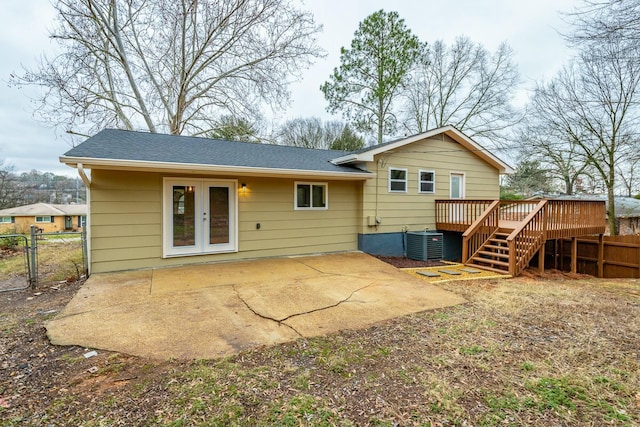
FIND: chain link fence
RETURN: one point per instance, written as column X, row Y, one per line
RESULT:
column 41, row 259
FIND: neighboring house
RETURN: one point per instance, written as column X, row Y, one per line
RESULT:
column 628, row 215
column 164, row 200
column 47, row 217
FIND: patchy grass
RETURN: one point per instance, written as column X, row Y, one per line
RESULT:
column 522, row 352
column 59, row 259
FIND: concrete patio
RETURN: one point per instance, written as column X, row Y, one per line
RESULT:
column 214, row 310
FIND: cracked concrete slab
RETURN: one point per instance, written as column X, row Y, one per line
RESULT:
column 214, row 310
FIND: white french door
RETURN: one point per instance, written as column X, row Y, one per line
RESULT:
column 457, row 212
column 457, row 185
column 199, row 216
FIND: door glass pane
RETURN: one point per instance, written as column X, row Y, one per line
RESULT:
column 184, row 204
column 456, row 184
column 218, row 215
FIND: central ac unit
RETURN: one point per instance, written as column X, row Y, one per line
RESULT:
column 424, row 245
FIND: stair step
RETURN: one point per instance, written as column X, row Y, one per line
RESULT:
column 497, row 247
column 494, row 254
column 490, row 261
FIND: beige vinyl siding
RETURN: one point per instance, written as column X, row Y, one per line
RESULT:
column 126, row 221
column 414, row 210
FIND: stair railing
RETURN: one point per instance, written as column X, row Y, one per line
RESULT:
column 480, row 230
column 527, row 239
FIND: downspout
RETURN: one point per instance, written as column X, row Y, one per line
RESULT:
column 83, row 176
column 87, row 182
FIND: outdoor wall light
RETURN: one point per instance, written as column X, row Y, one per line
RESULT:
column 244, row 187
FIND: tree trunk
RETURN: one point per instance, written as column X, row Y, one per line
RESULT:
column 568, row 185
column 380, row 120
column 613, row 230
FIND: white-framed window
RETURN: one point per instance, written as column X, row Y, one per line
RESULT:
column 82, row 220
column 311, row 195
column 397, row 180
column 44, row 219
column 426, row 181
column 5, row 220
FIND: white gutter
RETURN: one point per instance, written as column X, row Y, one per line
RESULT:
column 81, row 162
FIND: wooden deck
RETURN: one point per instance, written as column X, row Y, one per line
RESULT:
column 503, row 236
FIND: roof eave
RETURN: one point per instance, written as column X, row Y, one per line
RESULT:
column 458, row 136
column 93, row 163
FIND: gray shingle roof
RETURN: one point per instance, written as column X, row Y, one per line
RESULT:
column 112, row 144
column 47, row 209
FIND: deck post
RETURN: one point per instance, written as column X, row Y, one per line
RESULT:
column 512, row 258
column 600, row 255
column 541, row 254
column 465, row 249
column 574, row 255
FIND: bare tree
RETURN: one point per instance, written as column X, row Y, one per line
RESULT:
column 557, row 151
column 11, row 193
column 171, row 65
column 309, row 132
column 605, row 20
column 463, row 85
column 628, row 173
column 593, row 102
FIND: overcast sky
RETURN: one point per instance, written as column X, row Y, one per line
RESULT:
column 530, row 28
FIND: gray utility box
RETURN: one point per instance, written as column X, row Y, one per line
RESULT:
column 424, row 245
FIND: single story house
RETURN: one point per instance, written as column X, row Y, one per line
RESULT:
column 164, row 200
column 628, row 215
column 49, row 218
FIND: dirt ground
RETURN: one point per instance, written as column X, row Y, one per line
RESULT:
column 402, row 262
column 537, row 350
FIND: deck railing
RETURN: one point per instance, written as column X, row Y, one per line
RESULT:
column 570, row 218
column 564, row 218
column 525, row 240
column 480, row 231
column 458, row 215
column 516, row 210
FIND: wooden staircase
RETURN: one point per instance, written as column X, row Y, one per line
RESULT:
column 504, row 245
column 493, row 255
column 503, row 236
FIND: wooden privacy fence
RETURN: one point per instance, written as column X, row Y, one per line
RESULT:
column 613, row 257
